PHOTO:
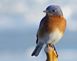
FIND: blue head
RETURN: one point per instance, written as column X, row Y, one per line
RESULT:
column 54, row 10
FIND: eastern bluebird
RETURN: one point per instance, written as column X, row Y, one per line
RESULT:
column 51, row 28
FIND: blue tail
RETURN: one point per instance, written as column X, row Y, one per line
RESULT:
column 37, row 50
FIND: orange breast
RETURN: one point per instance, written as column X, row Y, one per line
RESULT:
column 55, row 22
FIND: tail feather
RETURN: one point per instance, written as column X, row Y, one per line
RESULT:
column 37, row 50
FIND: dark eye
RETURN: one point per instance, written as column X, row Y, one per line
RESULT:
column 53, row 11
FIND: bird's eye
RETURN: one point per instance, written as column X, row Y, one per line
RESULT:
column 53, row 10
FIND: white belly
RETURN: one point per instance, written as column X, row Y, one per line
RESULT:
column 52, row 38
column 55, row 37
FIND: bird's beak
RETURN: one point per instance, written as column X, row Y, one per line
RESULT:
column 45, row 11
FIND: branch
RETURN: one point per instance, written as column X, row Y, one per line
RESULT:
column 51, row 54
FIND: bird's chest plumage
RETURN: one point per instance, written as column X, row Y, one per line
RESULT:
column 54, row 23
column 52, row 37
column 55, row 27
column 55, row 36
column 52, row 30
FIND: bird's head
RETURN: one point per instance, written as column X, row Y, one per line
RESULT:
column 53, row 10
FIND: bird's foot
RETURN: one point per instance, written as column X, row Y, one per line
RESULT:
column 54, row 49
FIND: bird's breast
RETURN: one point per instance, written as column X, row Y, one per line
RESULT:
column 55, row 22
column 55, row 36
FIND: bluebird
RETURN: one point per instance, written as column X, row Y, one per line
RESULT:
column 51, row 28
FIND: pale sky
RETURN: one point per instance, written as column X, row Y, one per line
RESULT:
column 19, row 21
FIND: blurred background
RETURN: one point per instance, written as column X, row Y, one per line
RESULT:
column 19, row 21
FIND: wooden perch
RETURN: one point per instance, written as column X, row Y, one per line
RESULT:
column 51, row 54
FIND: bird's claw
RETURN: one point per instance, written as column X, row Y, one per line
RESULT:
column 53, row 48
